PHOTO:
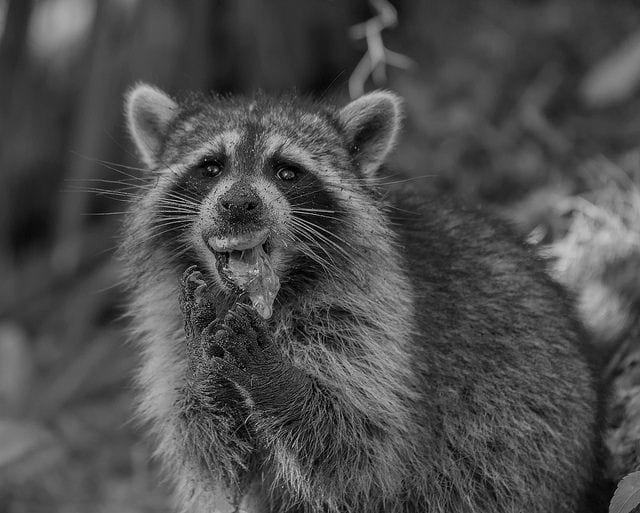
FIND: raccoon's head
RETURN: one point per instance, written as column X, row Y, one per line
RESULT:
column 244, row 184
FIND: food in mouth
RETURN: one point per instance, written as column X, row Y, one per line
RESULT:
column 244, row 261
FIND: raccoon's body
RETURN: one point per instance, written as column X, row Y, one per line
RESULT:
column 417, row 358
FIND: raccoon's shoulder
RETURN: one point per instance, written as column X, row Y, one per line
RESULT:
column 430, row 223
column 465, row 258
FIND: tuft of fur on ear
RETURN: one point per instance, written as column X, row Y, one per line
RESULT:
column 372, row 123
column 149, row 111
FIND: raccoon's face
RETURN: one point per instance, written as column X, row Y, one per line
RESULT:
column 253, row 186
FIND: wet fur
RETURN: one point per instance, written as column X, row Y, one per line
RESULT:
column 447, row 369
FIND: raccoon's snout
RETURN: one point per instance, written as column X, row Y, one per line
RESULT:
column 240, row 204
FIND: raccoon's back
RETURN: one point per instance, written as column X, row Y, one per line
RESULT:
column 509, row 411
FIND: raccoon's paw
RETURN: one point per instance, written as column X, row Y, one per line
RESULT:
column 249, row 358
column 205, row 381
column 198, row 310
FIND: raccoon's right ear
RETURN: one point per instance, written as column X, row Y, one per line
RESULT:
column 372, row 123
column 149, row 112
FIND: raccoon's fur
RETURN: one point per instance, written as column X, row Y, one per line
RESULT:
column 418, row 358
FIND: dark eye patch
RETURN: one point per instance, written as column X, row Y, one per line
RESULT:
column 210, row 167
column 176, row 210
column 318, row 218
column 310, row 200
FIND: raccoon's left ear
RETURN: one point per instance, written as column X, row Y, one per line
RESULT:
column 149, row 112
column 371, row 123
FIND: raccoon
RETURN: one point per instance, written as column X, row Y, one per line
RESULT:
column 316, row 339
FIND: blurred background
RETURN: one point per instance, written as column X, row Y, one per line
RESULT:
column 530, row 108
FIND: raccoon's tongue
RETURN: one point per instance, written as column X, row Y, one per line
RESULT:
column 251, row 271
column 249, row 268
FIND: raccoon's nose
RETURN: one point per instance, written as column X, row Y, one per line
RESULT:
column 240, row 203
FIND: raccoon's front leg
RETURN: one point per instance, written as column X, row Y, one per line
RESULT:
column 211, row 412
column 323, row 450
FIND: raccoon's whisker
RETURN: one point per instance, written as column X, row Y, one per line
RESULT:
column 183, row 217
column 182, row 250
column 126, row 196
column 330, row 268
column 172, row 218
column 122, row 166
column 328, row 232
column 183, row 204
column 328, row 211
column 327, row 267
column 304, row 194
column 108, row 163
column 177, row 200
column 309, row 236
column 299, row 190
column 103, row 192
column 105, row 213
column 405, row 180
column 322, row 238
column 120, row 199
column 139, row 179
column 140, row 243
column 180, row 201
column 159, row 234
column 315, row 215
column 182, row 197
column 180, row 205
column 170, row 221
column 179, row 197
column 156, row 235
column 165, row 215
column 174, row 211
column 387, row 179
column 126, row 183
column 176, row 208
column 317, row 212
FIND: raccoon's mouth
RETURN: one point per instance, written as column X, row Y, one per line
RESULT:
column 244, row 265
column 241, row 250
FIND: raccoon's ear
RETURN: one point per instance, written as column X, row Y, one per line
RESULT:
column 149, row 112
column 372, row 123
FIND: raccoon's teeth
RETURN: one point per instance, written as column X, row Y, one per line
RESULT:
column 232, row 243
column 251, row 270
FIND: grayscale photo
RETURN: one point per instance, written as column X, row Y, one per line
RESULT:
column 319, row 256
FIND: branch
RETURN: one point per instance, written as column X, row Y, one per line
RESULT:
column 374, row 62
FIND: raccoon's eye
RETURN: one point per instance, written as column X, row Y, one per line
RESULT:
column 210, row 168
column 287, row 172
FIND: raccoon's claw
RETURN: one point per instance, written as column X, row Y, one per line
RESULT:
column 193, row 284
column 198, row 310
column 210, row 348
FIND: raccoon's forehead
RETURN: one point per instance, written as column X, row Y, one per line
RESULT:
column 254, row 133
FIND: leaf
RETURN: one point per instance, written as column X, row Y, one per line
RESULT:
column 627, row 495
